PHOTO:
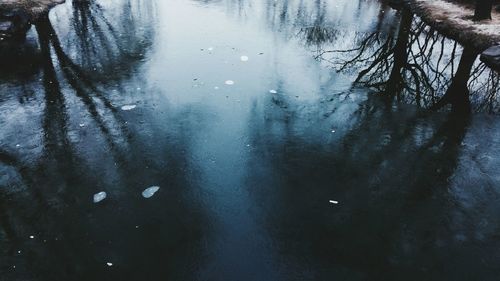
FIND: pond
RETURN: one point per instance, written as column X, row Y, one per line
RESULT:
column 246, row 140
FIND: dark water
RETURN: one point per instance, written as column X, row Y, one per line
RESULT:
column 245, row 174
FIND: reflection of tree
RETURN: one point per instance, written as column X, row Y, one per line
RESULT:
column 110, row 48
column 414, row 63
column 458, row 93
column 73, row 236
column 81, row 84
column 389, row 171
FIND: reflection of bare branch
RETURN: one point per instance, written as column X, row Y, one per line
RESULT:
column 416, row 64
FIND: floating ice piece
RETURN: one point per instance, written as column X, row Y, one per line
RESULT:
column 210, row 49
column 333, row 131
column 129, row 107
column 244, row 58
column 273, row 91
column 32, row 237
column 216, row 88
column 82, row 125
column 334, row 202
column 229, row 82
column 109, row 264
column 98, row 197
column 150, row 191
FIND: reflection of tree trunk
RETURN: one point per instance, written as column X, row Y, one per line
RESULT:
column 483, row 10
column 458, row 94
column 396, row 81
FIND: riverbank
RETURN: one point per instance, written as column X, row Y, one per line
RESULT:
column 32, row 8
column 455, row 21
column 16, row 16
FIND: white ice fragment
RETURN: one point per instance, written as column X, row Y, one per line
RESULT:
column 150, row 191
column 334, row 202
column 229, row 82
column 216, row 88
column 210, row 49
column 32, row 237
column 98, row 197
column 129, row 107
column 273, row 91
column 244, row 58
column 333, row 131
column 109, row 264
column 82, row 125
column 18, row 145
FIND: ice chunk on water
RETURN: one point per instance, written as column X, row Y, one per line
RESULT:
column 129, row 107
column 229, row 82
column 98, row 197
column 244, row 58
column 109, row 264
column 150, row 191
column 273, row 91
column 334, row 202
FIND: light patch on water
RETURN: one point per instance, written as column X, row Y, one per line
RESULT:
column 150, row 191
column 273, row 91
column 129, row 107
column 98, row 197
column 229, row 82
column 244, row 58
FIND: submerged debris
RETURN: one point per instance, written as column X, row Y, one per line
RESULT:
column 150, row 191
column 129, row 107
column 98, row 197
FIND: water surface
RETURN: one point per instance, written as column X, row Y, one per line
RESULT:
column 119, row 96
